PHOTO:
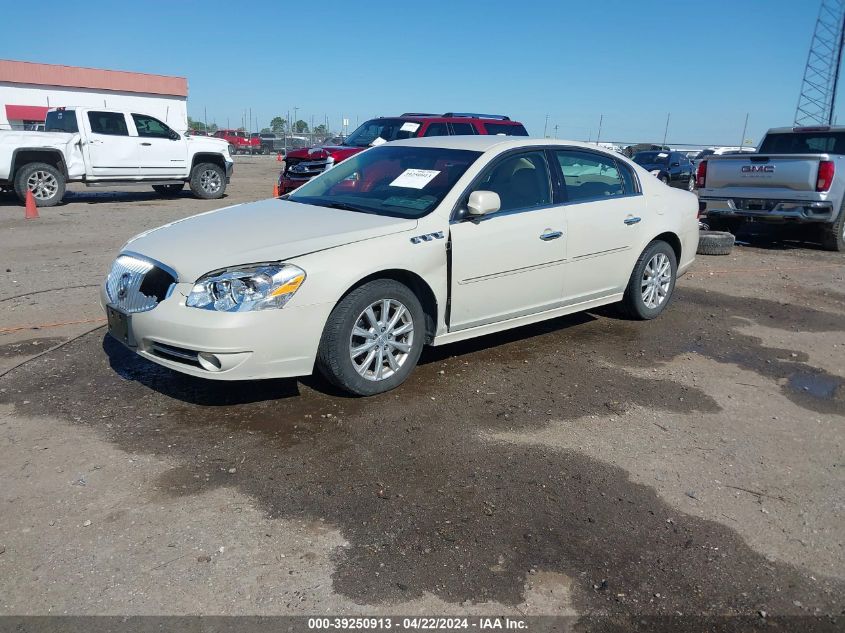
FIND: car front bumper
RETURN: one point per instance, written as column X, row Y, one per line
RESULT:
column 803, row 211
column 276, row 343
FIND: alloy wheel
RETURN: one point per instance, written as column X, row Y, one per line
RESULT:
column 210, row 181
column 656, row 280
column 381, row 339
column 42, row 184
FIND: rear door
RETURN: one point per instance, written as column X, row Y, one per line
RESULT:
column 162, row 152
column 605, row 220
column 109, row 149
column 508, row 264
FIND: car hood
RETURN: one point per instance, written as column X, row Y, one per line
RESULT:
column 265, row 231
column 338, row 152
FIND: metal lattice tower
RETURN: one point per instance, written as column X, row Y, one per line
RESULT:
column 821, row 75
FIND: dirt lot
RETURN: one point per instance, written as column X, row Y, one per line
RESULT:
column 585, row 466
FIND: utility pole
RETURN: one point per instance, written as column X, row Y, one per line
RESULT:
column 294, row 116
column 744, row 128
column 601, row 120
column 205, row 118
column 555, row 128
column 666, row 131
column 545, row 127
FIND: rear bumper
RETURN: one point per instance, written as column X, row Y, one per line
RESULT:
column 803, row 211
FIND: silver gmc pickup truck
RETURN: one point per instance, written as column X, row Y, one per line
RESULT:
column 796, row 176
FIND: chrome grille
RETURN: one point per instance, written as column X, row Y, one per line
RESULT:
column 126, row 288
column 306, row 169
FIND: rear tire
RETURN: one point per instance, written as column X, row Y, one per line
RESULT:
column 359, row 323
column 833, row 235
column 233, row 150
column 45, row 181
column 652, row 282
column 168, row 190
column 208, row 181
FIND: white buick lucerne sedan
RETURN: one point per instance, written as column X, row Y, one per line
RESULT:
column 423, row 241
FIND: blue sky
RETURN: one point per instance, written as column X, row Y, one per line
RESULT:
column 708, row 63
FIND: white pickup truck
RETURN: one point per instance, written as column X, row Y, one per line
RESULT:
column 796, row 177
column 100, row 147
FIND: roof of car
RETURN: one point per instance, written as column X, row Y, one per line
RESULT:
column 483, row 143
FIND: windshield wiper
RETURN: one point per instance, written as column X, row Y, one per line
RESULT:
column 344, row 206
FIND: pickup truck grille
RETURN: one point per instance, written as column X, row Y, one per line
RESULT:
column 299, row 169
column 135, row 284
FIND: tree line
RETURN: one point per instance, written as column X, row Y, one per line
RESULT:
column 278, row 125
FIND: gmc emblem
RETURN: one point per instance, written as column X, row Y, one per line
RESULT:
column 758, row 169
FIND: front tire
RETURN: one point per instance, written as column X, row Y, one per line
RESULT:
column 46, row 183
column 208, row 181
column 373, row 338
column 652, row 282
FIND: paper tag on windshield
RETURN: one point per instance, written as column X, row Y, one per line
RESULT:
column 410, row 126
column 662, row 155
column 378, row 141
column 415, row 178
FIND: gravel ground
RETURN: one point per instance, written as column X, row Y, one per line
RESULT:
column 587, row 466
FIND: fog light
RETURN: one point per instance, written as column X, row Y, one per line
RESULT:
column 209, row 362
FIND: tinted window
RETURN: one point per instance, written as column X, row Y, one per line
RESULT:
column 149, row 127
column 113, row 123
column 61, row 121
column 651, row 158
column 405, row 182
column 462, row 129
column 804, row 143
column 506, row 130
column 384, row 129
column 630, row 181
column 589, row 176
column 522, row 181
column 437, row 129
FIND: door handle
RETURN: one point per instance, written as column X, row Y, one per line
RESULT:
column 549, row 235
column 147, row 144
column 630, row 221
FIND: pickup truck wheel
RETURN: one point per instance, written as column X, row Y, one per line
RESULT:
column 664, row 180
column 168, row 190
column 208, row 181
column 691, row 184
column 265, row 150
column 45, row 181
column 233, row 150
column 652, row 282
column 373, row 338
column 833, row 235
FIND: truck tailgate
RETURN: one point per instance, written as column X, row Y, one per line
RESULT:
column 765, row 172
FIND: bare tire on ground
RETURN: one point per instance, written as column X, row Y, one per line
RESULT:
column 45, row 181
column 652, row 282
column 833, row 235
column 373, row 338
column 208, row 181
column 715, row 242
column 168, row 190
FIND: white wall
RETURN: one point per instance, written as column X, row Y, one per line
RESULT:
column 171, row 110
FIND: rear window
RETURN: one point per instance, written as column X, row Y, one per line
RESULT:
column 804, row 143
column 61, row 121
column 506, row 130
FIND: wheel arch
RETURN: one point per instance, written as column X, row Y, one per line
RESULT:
column 208, row 157
column 417, row 285
column 23, row 156
column 672, row 240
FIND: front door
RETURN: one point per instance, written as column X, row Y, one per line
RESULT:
column 509, row 263
column 109, row 149
column 162, row 152
column 605, row 220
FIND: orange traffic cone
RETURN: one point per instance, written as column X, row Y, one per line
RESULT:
column 278, row 157
column 31, row 207
column 276, row 190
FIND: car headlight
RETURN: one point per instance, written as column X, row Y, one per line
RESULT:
column 247, row 288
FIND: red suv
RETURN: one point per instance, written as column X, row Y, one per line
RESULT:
column 303, row 164
column 239, row 141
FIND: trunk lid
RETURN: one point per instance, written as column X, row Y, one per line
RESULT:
column 767, row 172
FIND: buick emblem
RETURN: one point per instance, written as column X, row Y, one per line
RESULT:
column 123, row 286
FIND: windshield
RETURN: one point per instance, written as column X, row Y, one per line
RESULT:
column 804, row 143
column 651, row 158
column 61, row 121
column 402, row 182
column 384, row 129
column 503, row 129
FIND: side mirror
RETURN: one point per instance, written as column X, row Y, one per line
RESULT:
column 174, row 136
column 483, row 202
column 675, row 164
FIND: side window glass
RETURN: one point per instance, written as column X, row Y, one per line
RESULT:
column 462, row 129
column 589, row 176
column 522, row 181
column 149, row 127
column 437, row 129
column 629, row 180
column 112, row 123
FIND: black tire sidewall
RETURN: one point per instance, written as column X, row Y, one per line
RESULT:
column 333, row 359
column 25, row 172
column 633, row 298
column 196, row 186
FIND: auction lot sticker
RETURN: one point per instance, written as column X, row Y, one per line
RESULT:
column 415, row 178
